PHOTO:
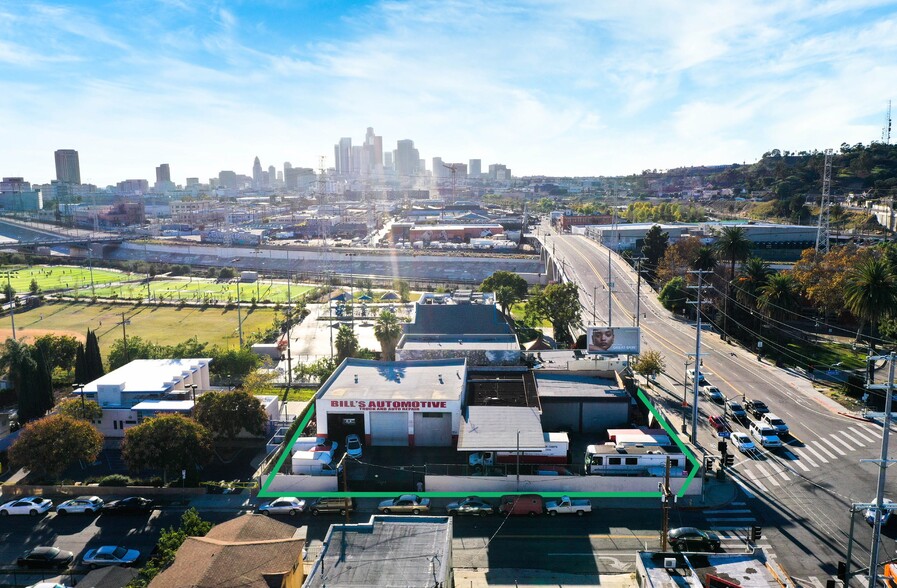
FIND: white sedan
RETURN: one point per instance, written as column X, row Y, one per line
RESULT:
column 110, row 555
column 883, row 513
column 284, row 505
column 29, row 505
column 82, row 504
column 743, row 442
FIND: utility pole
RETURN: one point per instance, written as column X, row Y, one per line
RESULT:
column 697, row 378
column 12, row 306
column 883, row 463
column 638, row 291
column 289, row 326
column 124, row 337
column 239, row 316
column 665, row 497
column 594, row 298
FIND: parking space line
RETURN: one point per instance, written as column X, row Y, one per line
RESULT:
column 862, row 434
column 767, row 475
column 817, row 454
column 756, row 481
column 833, row 446
column 797, row 461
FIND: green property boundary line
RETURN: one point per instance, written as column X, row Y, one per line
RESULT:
column 264, row 493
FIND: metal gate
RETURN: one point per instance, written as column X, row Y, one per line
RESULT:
column 389, row 428
column 433, row 429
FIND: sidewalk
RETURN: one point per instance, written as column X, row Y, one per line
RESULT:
column 522, row 578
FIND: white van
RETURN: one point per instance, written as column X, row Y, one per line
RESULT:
column 765, row 435
column 775, row 422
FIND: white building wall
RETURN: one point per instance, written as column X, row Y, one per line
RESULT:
column 551, row 484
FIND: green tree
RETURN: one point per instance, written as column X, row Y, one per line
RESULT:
column 655, row 245
column 346, row 342
column 871, row 295
column 648, row 364
column 80, row 365
column 753, row 275
column 704, row 260
column 60, row 350
column 8, row 292
column 320, row 369
column 230, row 366
column 403, row 289
column 31, row 378
column 388, row 331
column 170, row 540
column 48, row 446
column 559, row 304
column 171, row 443
column 366, row 285
column 87, row 410
column 732, row 244
column 674, row 295
column 137, row 348
column 34, row 287
column 225, row 414
column 92, row 358
column 226, row 273
column 778, row 295
column 507, row 286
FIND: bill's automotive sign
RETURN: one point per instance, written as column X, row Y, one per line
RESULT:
column 388, row 404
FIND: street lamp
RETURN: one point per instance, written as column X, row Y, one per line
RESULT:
column 193, row 392
column 12, row 304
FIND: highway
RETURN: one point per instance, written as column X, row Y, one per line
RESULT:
column 800, row 494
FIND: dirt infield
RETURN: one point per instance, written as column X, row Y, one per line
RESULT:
column 28, row 334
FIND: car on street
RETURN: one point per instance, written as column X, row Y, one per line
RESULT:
column 405, row 503
column 45, row 557
column 712, row 393
column 736, row 410
column 28, row 505
column 690, row 376
column 472, row 505
column 775, row 422
column 756, row 408
column 765, row 435
column 110, row 555
column 693, row 539
column 885, row 515
column 326, row 505
column 82, row 504
column 742, row 442
column 129, row 505
column 720, row 425
column 353, row 446
column 285, row 505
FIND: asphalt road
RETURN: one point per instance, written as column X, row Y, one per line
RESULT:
column 800, row 494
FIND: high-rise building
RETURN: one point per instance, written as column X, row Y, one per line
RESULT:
column 256, row 173
column 68, row 169
column 272, row 175
column 439, row 172
column 343, row 156
column 163, row 173
column 499, row 172
column 407, row 158
column 227, row 179
column 287, row 165
column 373, row 152
column 192, row 182
column 475, row 169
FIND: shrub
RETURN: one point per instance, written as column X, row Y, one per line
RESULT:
column 115, row 480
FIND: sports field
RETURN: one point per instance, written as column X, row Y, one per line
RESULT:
column 199, row 290
column 165, row 325
column 59, row 277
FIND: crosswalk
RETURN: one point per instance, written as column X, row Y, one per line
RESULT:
column 781, row 467
column 733, row 526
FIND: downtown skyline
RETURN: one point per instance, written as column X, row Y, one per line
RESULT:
column 549, row 88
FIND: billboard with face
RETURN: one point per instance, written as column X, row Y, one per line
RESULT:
column 613, row 340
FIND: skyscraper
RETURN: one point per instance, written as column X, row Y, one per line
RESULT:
column 343, row 155
column 272, row 175
column 163, row 173
column 257, row 173
column 68, row 169
column 407, row 158
column 475, row 169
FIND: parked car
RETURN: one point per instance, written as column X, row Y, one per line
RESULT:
column 45, row 557
column 742, row 442
column 47, row 585
column 885, row 515
column 712, row 393
column 288, row 505
column 29, row 505
column 756, row 408
column 325, row 505
column 565, row 505
column 690, row 376
column 765, row 434
column 110, row 555
column 720, row 425
column 472, row 505
column 775, row 422
column 405, row 503
column 736, row 410
column 353, row 446
column 693, row 539
column 129, row 505
column 524, row 504
column 82, row 504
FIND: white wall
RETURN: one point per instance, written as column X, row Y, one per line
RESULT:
column 301, row 484
column 552, row 484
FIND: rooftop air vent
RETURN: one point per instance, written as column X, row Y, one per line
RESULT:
column 356, row 378
column 669, row 563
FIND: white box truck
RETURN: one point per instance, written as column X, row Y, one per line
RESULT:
column 557, row 446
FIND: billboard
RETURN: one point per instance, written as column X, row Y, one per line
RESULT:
column 613, row 340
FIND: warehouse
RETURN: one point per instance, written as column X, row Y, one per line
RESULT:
column 394, row 403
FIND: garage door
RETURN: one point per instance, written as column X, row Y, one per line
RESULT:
column 600, row 416
column 389, row 428
column 561, row 416
column 433, row 429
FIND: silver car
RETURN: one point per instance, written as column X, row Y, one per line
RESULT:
column 82, row 504
column 405, row 503
column 285, row 505
column 110, row 555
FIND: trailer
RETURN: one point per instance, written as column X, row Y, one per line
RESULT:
column 557, row 447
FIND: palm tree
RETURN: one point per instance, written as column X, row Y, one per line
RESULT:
column 753, row 275
column 346, row 343
column 388, row 331
column 732, row 242
column 778, row 295
column 705, row 259
column 871, row 295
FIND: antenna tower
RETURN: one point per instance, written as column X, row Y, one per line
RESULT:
column 453, row 169
column 886, row 130
column 822, row 230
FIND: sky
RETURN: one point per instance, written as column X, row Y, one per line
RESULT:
column 546, row 87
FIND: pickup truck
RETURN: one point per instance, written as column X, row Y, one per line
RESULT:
column 567, row 506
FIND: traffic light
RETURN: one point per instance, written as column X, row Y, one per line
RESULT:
column 729, row 459
column 721, row 446
column 708, row 464
column 842, row 572
column 756, row 533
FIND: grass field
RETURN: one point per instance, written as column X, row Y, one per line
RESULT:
column 164, row 325
column 59, row 277
column 200, row 290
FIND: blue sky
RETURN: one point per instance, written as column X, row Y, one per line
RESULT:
column 546, row 87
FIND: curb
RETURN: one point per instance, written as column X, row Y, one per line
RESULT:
column 855, row 417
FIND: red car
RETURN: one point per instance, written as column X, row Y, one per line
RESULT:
column 720, row 425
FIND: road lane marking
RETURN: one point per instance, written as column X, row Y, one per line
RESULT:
column 756, row 481
column 862, row 434
column 795, row 459
column 824, row 450
column 837, row 448
column 769, row 477
column 847, row 440
column 744, row 489
column 832, row 445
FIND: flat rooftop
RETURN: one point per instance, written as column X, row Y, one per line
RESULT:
column 148, row 375
column 413, row 552
column 635, row 450
column 748, row 570
column 462, row 342
column 571, row 385
column 365, row 379
column 501, row 428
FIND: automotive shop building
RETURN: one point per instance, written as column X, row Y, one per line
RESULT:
column 400, row 403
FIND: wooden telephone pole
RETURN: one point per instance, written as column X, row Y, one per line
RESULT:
column 665, row 497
